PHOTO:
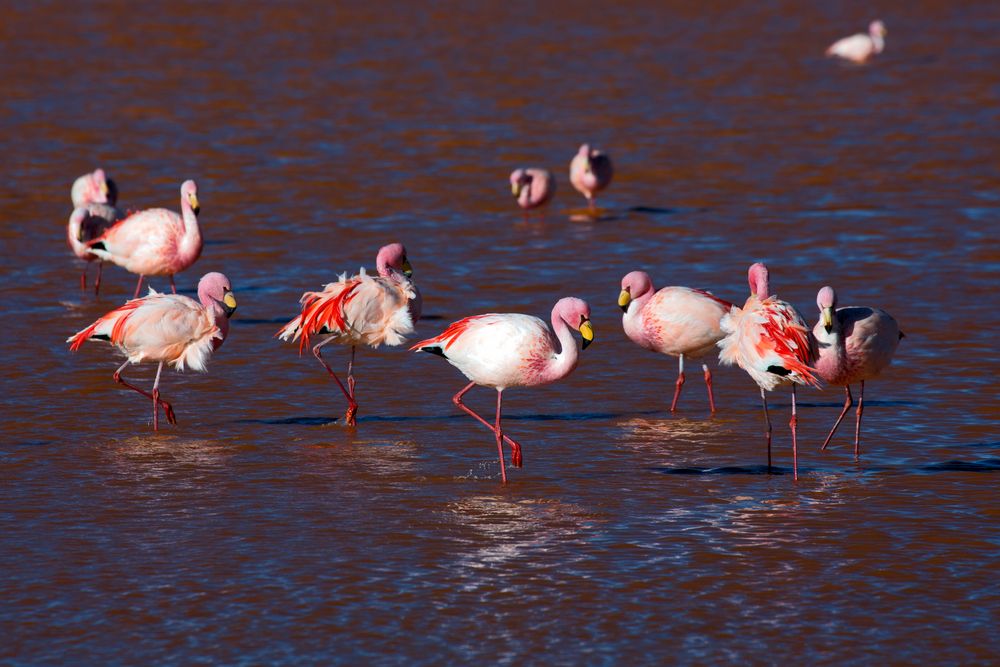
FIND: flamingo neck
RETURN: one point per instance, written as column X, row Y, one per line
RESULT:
column 218, row 315
column 567, row 356
column 878, row 42
column 191, row 241
column 632, row 318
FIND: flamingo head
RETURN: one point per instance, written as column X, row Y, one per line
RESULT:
column 826, row 299
column 588, row 154
column 189, row 195
column 576, row 313
column 634, row 285
column 215, row 288
column 757, row 276
column 877, row 28
column 519, row 179
column 392, row 259
column 100, row 187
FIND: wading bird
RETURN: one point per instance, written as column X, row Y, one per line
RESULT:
column 503, row 350
column 155, row 242
column 590, row 171
column 532, row 187
column 679, row 321
column 166, row 328
column 360, row 310
column 854, row 344
column 769, row 339
column 860, row 47
column 94, row 196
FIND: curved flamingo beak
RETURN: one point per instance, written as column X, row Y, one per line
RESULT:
column 587, row 331
column 407, row 269
column 229, row 303
column 826, row 316
column 193, row 200
column 624, row 299
column 515, row 188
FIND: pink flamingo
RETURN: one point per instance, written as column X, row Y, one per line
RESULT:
column 679, row 321
column 360, row 310
column 166, row 328
column 860, row 47
column 769, row 340
column 96, row 194
column 854, row 344
column 532, row 187
column 502, row 350
column 590, row 172
column 94, row 188
column 155, row 242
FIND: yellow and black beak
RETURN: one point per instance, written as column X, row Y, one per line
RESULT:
column 407, row 269
column 516, row 189
column 624, row 299
column 229, row 303
column 826, row 316
column 104, row 189
column 587, row 332
column 193, row 200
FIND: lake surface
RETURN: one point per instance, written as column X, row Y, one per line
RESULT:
column 260, row 530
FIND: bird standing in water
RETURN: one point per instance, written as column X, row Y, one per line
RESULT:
column 590, row 171
column 94, row 197
column 860, row 47
column 532, row 187
column 854, row 344
column 360, row 310
column 503, row 350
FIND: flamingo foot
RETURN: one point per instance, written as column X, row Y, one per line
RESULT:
column 515, row 454
column 677, row 391
column 349, row 416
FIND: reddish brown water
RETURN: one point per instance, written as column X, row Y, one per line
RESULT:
column 261, row 530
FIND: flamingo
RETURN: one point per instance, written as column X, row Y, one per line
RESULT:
column 155, row 242
column 94, row 188
column 166, row 328
column 770, row 341
column 590, row 172
column 854, row 344
column 679, row 321
column 97, row 195
column 860, row 47
column 533, row 187
column 502, row 350
column 360, row 310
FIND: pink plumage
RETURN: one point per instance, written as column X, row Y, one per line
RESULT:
column 168, row 329
column 768, row 338
column 503, row 350
column 94, row 196
column 93, row 188
column 156, row 241
column 679, row 321
column 532, row 187
column 860, row 47
column 590, row 171
column 360, row 310
column 854, row 344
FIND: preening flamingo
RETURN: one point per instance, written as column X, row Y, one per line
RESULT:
column 94, row 188
column 590, row 171
column 155, row 242
column 679, row 321
column 96, row 194
column 360, row 310
column 769, row 340
column 854, row 344
column 532, row 187
column 166, row 328
column 860, row 47
column 503, row 350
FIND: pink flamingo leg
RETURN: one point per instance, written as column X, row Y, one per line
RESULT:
column 167, row 409
column 848, row 402
column 515, row 448
column 173, row 287
column 708, row 383
column 767, row 434
column 83, row 278
column 857, row 426
column 138, row 286
column 352, row 407
column 97, row 283
column 156, row 398
column 498, row 429
column 795, row 448
column 678, row 384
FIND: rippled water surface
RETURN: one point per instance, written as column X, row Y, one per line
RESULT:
column 262, row 530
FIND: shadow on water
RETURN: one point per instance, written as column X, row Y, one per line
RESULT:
column 725, row 470
column 652, row 210
column 323, row 421
column 986, row 465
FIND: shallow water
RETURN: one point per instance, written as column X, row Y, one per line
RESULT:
column 261, row 530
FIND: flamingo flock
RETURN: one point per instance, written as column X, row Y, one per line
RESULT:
column 766, row 336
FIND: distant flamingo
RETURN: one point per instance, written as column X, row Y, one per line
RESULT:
column 590, row 172
column 677, row 321
column 502, row 350
column 87, row 223
column 94, row 188
column 860, row 47
column 360, row 310
column 532, row 187
column 155, row 242
column 769, row 340
column 167, row 328
column 854, row 344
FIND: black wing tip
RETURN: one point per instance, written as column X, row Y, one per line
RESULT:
column 779, row 370
column 434, row 349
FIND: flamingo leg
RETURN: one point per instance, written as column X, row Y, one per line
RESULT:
column 498, row 429
column 515, row 449
column 83, row 278
column 352, row 407
column 138, row 286
column 857, row 426
column 97, row 283
column 795, row 447
column 767, row 434
column 167, row 409
column 156, row 398
column 173, row 287
column 678, row 384
column 848, row 402
column 708, row 383
column 592, row 205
